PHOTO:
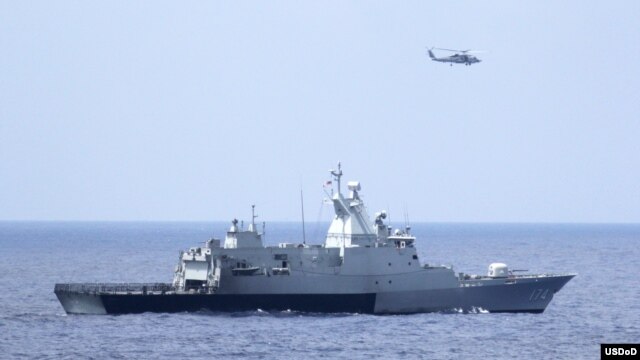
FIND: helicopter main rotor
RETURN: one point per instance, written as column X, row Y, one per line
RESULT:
column 468, row 51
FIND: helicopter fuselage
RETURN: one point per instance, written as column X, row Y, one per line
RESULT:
column 456, row 59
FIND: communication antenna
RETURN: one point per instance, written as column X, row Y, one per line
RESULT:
column 389, row 225
column 407, row 224
column 406, row 215
column 304, row 237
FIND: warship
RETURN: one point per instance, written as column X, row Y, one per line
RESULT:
column 363, row 267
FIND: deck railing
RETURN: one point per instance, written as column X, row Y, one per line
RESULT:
column 111, row 288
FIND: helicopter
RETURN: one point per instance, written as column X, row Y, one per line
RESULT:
column 460, row 57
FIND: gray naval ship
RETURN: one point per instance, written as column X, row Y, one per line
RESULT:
column 363, row 267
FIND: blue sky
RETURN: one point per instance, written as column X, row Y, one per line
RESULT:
column 154, row 110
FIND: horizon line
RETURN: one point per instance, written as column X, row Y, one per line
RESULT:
column 319, row 222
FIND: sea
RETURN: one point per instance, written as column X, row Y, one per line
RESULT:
column 600, row 305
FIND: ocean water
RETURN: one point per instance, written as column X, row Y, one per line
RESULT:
column 602, row 304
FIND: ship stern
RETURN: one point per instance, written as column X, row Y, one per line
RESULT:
column 74, row 302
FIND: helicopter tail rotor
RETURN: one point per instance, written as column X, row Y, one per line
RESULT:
column 431, row 53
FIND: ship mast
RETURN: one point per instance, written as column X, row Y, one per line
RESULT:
column 304, row 236
column 252, row 227
column 337, row 175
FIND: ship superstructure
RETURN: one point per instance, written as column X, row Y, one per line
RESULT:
column 363, row 266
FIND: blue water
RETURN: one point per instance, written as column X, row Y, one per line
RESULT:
column 602, row 304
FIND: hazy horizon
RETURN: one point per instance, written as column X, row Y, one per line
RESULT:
column 161, row 111
column 259, row 224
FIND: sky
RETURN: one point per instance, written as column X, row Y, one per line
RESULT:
column 193, row 110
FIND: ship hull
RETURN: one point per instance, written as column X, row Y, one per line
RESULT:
column 527, row 296
column 172, row 303
column 532, row 295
